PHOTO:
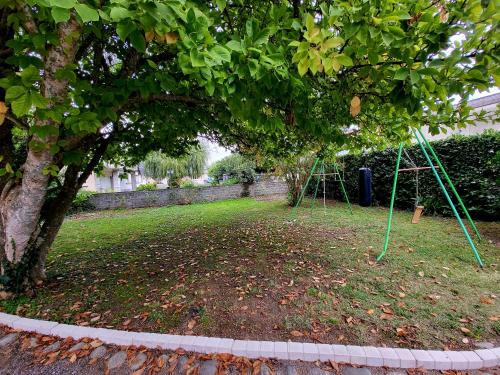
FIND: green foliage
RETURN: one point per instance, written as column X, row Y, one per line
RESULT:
column 230, row 181
column 146, row 187
column 81, row 202
column 471, row 162
column 187, row 184
column 236, row 167
column 159, row 166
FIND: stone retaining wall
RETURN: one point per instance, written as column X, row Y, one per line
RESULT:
column 165, row 197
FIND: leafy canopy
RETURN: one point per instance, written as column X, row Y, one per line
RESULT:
column 277, row 75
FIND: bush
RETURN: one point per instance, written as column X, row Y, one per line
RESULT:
column 472, row 162
column 146, row 187
column 235, row 166
column 81, row 202
column 187, row 184
column 230, row 181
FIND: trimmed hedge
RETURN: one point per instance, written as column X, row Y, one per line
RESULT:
column 472, row 162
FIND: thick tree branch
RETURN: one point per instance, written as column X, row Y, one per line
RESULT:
column 28, row 20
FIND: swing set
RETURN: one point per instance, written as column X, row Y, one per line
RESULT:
column 320, row 174
column 424, row 145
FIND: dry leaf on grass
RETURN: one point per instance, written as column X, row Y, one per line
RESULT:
column 191, row 324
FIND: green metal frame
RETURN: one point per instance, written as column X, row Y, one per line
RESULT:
column 342, row 186
column 318, row 180
column 301, row 196
column 422, row 144
column 393, row 196
column 452, row 186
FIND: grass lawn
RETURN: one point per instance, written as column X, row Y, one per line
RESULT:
column 241, row 269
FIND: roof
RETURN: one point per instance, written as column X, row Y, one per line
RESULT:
column 484, row 101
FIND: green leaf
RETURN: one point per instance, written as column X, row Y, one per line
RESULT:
column 60, row 14
column 21, row 105
column 137, row 40
column 253, row 67
column 262, row 37
column 14, row 92
column 38, row 100
column 66, row 4
column 221, row 4
column 414, row 77
column 234, row 45
column 210, row 87
column 119, row 13
column 331, row 43
column 309, row 22
column 401, row 74
column 86, row 13
column 222, row 53
column 344, row 60
column 123, row 29
column 303, row 66
column 30, row 75
column 373, row 57
column 197, row 59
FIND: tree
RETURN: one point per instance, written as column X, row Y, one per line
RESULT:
column 86, row 81
column 236, row 166
column 159, row 166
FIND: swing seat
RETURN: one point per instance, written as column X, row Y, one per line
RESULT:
column 416, row 214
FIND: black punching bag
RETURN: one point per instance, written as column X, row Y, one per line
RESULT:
column 365, row 187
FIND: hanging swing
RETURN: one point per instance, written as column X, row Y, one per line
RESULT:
column 418, row 209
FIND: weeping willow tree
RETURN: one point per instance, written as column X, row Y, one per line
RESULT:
column 159, row 165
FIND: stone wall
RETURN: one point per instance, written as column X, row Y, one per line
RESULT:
column 165, row 197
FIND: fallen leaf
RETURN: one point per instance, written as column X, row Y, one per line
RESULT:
column 385, row 316
column 486, row 300
column 96, row 343
column 191, row 324
column 401, row 332
column 465, row 340
column 296, row 334
column 370, row 312
column 421, row 274
column 465, row 330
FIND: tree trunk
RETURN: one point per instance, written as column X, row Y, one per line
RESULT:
column 21, row 201
column 54, row 217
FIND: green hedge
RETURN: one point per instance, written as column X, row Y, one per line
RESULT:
column 472, row 162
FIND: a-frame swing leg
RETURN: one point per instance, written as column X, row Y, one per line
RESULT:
column 393, row 196
column 301, row 196
column 318, row 180
column 450, row 202
column 452, row 186
column 342, row 186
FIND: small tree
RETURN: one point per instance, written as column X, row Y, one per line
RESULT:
column 159, row 165
column 235, row 166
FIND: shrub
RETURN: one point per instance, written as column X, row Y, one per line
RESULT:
column 81, row 202
column 146, row 187
column 187, row 184
column 235, row 166
column 472, row 162
column 230, row 181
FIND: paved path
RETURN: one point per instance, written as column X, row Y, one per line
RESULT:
column 24, row 353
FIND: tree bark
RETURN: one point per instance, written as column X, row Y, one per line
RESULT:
column 73, row 181
column 22, row 199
